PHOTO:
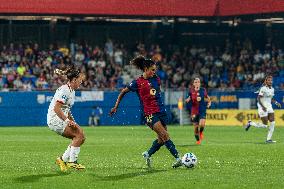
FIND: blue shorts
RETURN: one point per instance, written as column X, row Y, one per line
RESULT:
column 197, row 118
column 152, row 119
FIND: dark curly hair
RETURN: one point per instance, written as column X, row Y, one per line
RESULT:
column 140, row 62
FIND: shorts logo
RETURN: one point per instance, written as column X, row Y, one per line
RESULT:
column 149, row 118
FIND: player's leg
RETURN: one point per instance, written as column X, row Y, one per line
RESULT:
column 62, row 160
column 78, row 138
column 66, row 155
column 264, row 118
column 59, row 126
column 90, row 121
column 202, row 126
column 96, row 122
column 156, row 145
column 196, row 132
column 271, row 128
column 195, row 121
column 164, row 136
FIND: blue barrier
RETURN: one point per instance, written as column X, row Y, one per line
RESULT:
column 30, row 108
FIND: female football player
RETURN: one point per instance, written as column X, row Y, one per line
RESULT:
column 60, row 119
column 265, row 110
column 197, row 98
column 147, row 87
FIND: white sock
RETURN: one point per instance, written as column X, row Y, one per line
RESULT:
column 258, row 125
column 66, row 155
column 74, row 153
column 271, row 130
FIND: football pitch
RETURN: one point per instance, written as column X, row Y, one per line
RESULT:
column 228, row 158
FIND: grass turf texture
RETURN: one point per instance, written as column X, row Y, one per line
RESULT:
column 228, row 158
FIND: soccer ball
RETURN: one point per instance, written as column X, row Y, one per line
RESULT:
column 189, row 160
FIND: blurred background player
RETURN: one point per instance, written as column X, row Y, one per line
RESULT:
column 60, row 119
column 94, row 119
column 197, row 98
column 265, row 110
column 148, row 88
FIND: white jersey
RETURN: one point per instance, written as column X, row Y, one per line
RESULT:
column 64, row 95
column 266, row 94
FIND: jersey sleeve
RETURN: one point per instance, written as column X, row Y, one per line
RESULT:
column 62, row 95
column 261, row 91
column 133, row 86
column 159, row 80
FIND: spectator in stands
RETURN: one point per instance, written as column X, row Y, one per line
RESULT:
column 237, row 65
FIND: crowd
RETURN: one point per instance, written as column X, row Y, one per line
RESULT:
column 236, row 65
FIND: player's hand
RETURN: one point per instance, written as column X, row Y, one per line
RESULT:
column 278, row 104
column 264, row 109
column 187, row 100
column 112, row 111
column 72, row 124
column 209, row 104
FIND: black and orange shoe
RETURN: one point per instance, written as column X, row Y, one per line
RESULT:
column 198, row 142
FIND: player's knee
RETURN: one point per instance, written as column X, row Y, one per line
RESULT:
column 160, row 141
column 81, row 137
column 164, row 136
column 265, row 121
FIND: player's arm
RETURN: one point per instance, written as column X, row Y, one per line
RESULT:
column 61, row 115
column 119, row 98
column 187, row 100
column 70, row 116
column 260, row 102
column 276, row 103
column 209, row 101
column 207, row 97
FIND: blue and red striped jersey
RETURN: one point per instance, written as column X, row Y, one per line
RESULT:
column 149, row 93
column 197, row 101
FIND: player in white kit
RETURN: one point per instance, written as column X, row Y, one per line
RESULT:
column 265, row 110
column 60, row 119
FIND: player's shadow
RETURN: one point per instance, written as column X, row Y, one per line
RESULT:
column 127, row 175
column 35, row 178
column 187, row 145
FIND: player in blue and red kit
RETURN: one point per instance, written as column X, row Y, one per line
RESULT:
column 148, row 89
column 199, row 102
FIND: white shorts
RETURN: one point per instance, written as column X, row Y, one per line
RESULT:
column 57, row 125
column 261, row 113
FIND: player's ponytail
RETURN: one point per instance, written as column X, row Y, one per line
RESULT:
column 70, row 72
column 140, row 62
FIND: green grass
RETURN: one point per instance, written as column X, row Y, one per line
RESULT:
column 228, row 158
